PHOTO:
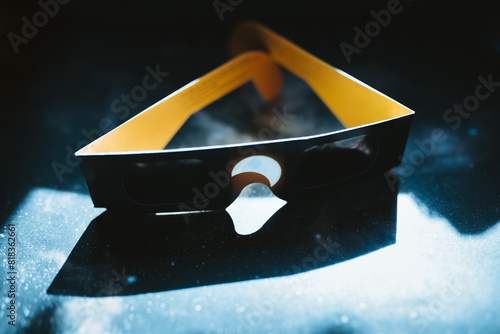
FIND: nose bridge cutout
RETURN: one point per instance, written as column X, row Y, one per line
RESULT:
column 259, row 164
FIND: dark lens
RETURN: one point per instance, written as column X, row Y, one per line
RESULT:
column 166, row 181
column 335, row 161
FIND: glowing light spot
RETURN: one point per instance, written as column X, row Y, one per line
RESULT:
column 473, row 132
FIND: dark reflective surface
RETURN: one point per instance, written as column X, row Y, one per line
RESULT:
column 122, row 255
column 460, row 179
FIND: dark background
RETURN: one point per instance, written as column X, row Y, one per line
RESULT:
column 65, row 79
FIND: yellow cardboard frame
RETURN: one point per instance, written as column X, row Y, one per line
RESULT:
column 351, row 101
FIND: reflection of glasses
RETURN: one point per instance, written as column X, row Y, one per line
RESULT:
column 128, row 169
column 209, row 251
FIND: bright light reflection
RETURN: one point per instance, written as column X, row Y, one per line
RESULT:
column 253, row 208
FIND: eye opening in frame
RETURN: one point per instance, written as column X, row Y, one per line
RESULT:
column 339, row 160
column 161, row 182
